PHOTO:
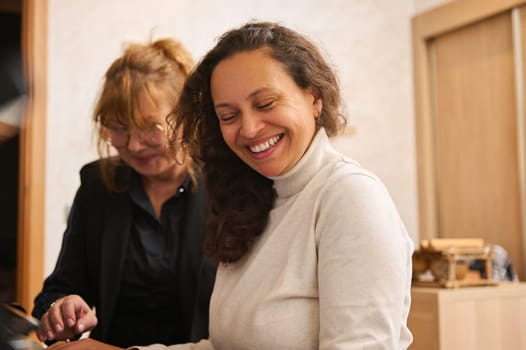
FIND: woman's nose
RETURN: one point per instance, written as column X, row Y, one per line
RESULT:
column 251, row 124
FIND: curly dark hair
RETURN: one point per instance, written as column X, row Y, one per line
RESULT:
column 241, row 198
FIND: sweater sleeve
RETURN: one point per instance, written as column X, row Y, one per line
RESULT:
column 364, row 267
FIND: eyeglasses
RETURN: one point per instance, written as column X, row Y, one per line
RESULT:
column 152, row 136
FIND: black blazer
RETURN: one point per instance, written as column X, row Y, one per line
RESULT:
column 92, row 254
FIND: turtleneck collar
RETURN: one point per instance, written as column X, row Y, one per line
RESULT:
column 317, row 155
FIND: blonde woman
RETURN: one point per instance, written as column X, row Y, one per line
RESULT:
column 133, row 245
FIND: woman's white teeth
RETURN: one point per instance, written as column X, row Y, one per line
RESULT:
column 265, row 145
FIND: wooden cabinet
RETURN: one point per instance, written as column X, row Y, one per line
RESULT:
column 475, row 318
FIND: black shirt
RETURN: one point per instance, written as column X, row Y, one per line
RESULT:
column 148, row 310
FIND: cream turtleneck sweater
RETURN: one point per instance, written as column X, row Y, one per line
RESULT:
column 332, row 270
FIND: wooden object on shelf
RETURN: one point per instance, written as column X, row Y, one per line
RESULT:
column 441, row 244
column 471, row 318
column 448, row 260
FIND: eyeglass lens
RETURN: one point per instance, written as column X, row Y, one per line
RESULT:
column 152, row 136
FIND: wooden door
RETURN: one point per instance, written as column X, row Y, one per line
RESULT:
column 470, row 123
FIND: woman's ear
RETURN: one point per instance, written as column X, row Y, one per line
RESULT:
column 317, row 104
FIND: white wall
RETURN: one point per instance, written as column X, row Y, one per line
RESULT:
column 368, row 42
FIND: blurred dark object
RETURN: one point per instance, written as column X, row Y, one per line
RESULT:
column 15, row 327
column 9, row 154
column 12, row 80
column 502, row 267
column 12, row 89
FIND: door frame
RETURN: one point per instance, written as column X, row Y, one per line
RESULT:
column 31, row 217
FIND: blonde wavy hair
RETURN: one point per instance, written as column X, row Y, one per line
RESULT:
column 156, row 70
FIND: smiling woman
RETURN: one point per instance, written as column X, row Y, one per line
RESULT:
column 133, row 244
column 286, row 112
column 299, row 229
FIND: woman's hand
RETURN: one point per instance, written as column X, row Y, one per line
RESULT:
column 82, row 344
column 67, row 317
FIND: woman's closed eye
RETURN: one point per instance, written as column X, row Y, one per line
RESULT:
column 265, row 104
column 227, row 117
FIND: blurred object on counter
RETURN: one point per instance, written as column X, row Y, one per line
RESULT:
column 446, row 262
column 502, row 267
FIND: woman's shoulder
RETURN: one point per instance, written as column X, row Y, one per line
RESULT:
column 350, row 171
column 348, row 179
column 91, row 173
column 90, row 170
